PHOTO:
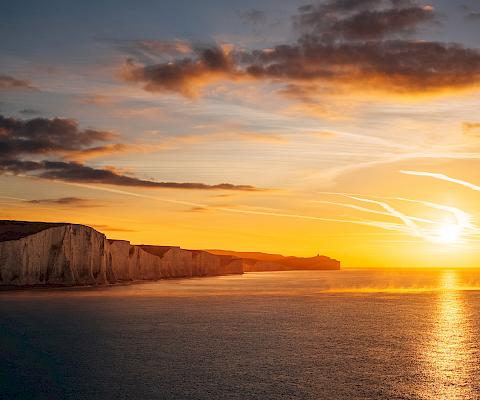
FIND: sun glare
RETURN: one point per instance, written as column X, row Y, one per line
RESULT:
column 448, row 233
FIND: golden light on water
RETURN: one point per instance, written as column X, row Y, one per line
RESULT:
column 447, row 353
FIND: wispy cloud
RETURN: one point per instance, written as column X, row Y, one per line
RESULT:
column 442, row 177
column 9, row 83
column 250, row 211
column 462, row 218
column 414, row 226
column 371, row 211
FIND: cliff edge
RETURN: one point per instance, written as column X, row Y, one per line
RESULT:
column 36, row 253
column 63, row 254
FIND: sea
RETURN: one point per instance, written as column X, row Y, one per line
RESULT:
column 349, row 334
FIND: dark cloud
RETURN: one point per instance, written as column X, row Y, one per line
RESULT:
column 343, row 45
column 46, row 136
column 184, row 74
column 397, row 65
column 80, row 173
column 360, row 20
column 10, row 83
column 66, row 201
column 42, row 137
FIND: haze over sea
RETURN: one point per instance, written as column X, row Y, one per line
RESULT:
column 351, row 334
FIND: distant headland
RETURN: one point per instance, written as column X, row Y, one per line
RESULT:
column 64, row 254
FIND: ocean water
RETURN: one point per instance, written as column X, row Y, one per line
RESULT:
column 352, row 334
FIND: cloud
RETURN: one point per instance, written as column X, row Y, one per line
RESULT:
column 76, row 172
column 10, row 83
column 407, row 221
column 65, row 201
column 368, row 210
column 363, row 19
column 183, row 75
column 197, row 209
column 148, row 50
column 63, row 137
column 471, row 128
column 463, row 221
column 394, row 65
column 342, row 46
column 442, row 177
column 395, row 227
column 99, row 151
column 57, row 137
column 60, row 137
column 46, row 136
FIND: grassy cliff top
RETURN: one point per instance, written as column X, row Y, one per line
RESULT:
column 14, row 230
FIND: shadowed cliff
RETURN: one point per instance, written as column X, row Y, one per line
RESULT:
column 256, row 261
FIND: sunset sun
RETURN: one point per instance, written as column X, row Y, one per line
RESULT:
column 448, row 233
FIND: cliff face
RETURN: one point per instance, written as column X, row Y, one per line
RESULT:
column 37, row 253
column 66, row 254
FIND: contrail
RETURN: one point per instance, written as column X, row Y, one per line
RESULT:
column 377, row 224
column 393, row 212
column 408, row 226
column 442, row 177
column 463, row 219
column 13, row 198
column 369, row 210
column 127, row 193
column 383, row 225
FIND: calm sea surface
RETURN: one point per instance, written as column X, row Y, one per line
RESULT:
column 353, row 334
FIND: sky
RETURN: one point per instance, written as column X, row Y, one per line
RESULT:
column 341, row 127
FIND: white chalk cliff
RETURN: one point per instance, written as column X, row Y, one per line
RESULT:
column 68, row 254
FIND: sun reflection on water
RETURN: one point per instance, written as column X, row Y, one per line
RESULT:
column 447, row 354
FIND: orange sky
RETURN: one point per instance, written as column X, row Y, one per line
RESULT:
column 365, row 149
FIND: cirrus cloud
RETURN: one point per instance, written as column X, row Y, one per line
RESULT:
column 8, row 82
